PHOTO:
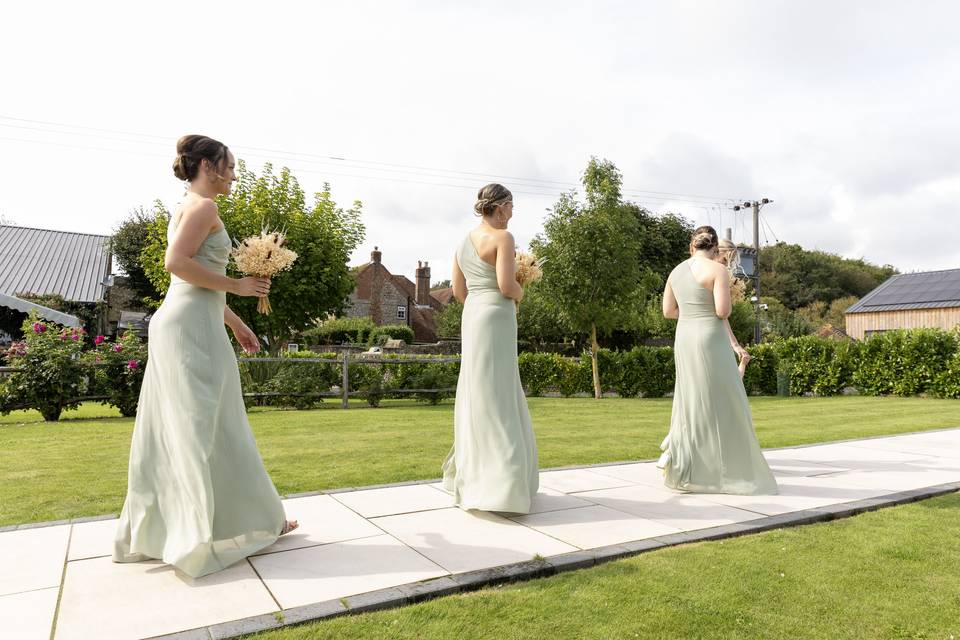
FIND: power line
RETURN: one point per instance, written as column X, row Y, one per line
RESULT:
column 765, row 221
column 389, row 167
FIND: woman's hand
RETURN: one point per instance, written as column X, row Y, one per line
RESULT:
column 250, row 286
column 247, row 338
column 742, row 353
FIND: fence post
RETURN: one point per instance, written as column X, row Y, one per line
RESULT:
column 345, row 384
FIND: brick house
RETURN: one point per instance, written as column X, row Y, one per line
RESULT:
column 393, row 299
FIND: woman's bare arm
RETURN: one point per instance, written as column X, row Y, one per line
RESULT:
column 721, row 293
column 507, row 267
column 459, row 282
column 670, row 307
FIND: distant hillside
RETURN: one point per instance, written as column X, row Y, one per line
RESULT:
column 798, row 277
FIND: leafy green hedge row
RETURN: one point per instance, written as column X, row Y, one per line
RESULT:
column 357, row 331
column 646, row 371
column 903, row 362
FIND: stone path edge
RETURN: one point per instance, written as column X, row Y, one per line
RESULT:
column 393, row 597
column 408, row 483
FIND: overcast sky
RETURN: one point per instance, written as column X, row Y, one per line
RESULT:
column 847, row 114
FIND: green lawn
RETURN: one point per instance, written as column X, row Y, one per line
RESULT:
column 78, row 467
column 887, row 574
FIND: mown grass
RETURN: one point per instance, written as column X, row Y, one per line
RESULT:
column 78, row 466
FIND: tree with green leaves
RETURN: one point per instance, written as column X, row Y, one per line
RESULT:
column 594, row 276
column 448, row 320
column 443, row 284
column 538, row 322
column 128, row 241
column 323, row 235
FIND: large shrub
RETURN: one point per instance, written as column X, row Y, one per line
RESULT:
column 341, row 331
column 295, row 382
column 380, row 335
column 906, row 362
column 422, row 374
column 820, row 366
column 116, row 370
column 761, row 374
column 51, row 378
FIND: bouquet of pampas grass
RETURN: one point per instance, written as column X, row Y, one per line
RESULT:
column 263, row 256
column 528, row 268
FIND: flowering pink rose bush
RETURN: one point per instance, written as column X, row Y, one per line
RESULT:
column 59, row 367
column 119, row 371
column 51, row 376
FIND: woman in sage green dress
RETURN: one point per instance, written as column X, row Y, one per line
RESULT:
column 493, row 463
column 198, row 496
column 711, row 447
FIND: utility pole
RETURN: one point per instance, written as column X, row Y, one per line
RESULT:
column 755, row 206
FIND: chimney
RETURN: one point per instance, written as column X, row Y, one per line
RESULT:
column 375, row 255
column 422, row 294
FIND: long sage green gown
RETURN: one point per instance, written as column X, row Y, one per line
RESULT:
column 198, row 496
column 711, row 447
column 493, row 463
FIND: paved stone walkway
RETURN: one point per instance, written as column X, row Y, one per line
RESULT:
column 369, row 548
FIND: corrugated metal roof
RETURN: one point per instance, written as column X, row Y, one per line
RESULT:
column 924, row 290
column 43, row 261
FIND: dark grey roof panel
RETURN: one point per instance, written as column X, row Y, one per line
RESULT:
column 43, row 261
column 924, row 290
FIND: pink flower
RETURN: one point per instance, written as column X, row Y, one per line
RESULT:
column 132, row 364
column 39, row 327
column 98, row 340
column 76, row 337
column 117, row 348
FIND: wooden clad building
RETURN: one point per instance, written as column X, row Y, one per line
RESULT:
column 929, row 299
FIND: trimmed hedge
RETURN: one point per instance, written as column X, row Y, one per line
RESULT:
column 342, row 330
column 646, row 371
column 380, row 335
column 903, row 362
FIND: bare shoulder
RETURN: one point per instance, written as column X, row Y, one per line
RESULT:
column 719, row 271
column 200, row 212
column 504, row 238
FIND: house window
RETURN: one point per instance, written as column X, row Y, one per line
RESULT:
column 401, row 312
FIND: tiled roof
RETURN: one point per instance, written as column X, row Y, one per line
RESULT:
column 924, row 290
column 443, row 295
column 42, row 261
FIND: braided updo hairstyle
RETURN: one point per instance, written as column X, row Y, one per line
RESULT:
column 704, row 239
column 192, row 150
column 490, row 197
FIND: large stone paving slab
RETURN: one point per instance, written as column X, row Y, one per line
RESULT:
column 111, row 601
column 343, row 569
column 798, row 494
column 460, row 540
column 32, row 559
column 594, row 526
column 29, row 615
column 322, row 520
column 683, row 512
column 92, row 539
column 574, row 480
column 372, row 503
